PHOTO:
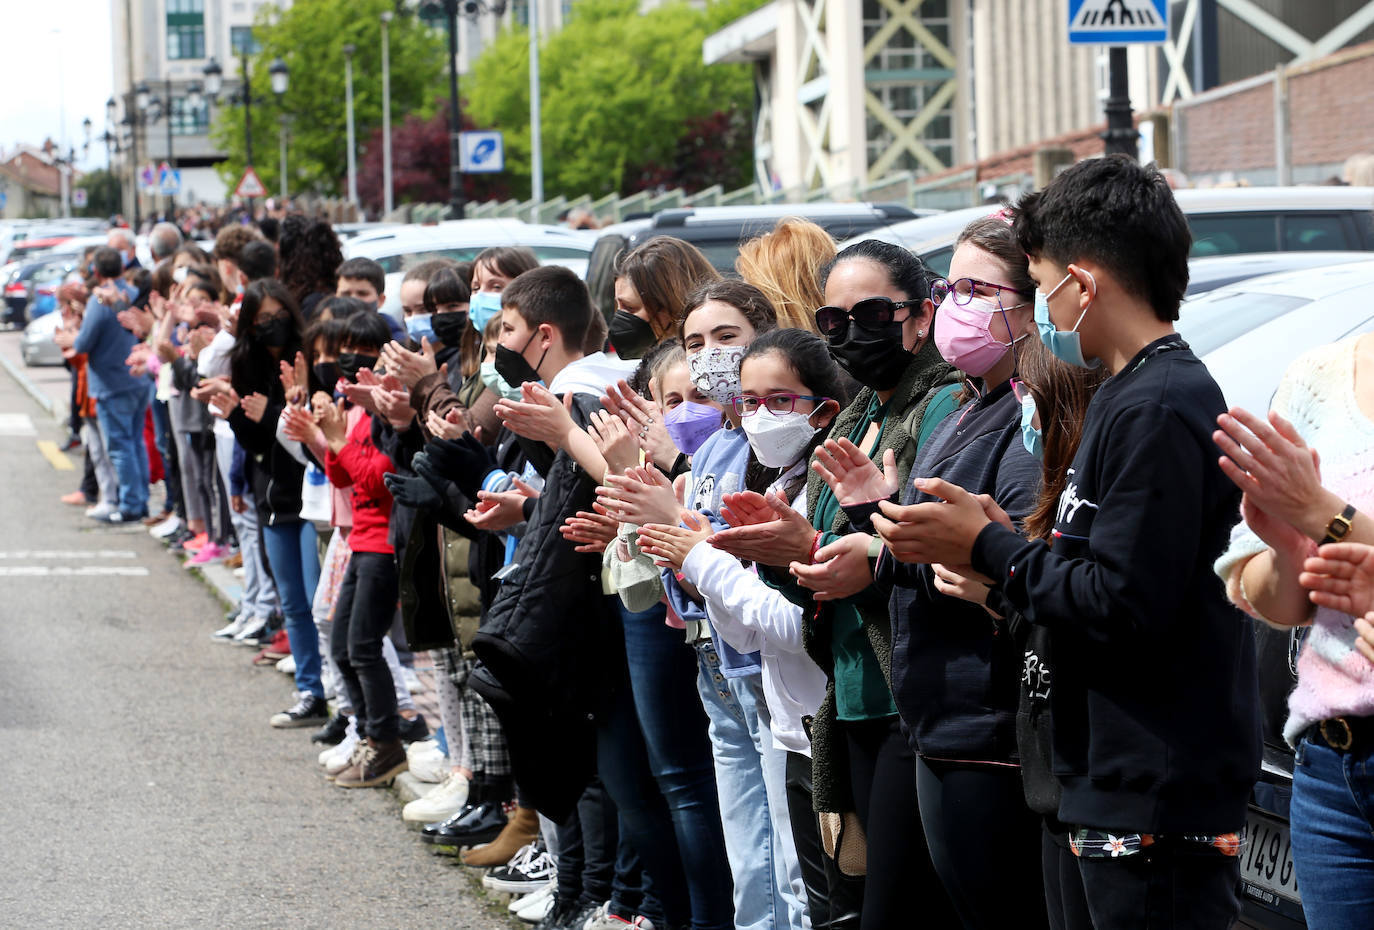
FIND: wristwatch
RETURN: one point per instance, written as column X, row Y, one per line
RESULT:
column 1339, row 526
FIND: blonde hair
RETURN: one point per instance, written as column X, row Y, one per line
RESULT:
column 786, row 265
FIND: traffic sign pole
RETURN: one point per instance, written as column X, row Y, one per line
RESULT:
column 1121, row 137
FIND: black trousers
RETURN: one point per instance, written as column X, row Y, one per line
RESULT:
column 587, row 843
column 901, row 879
column 362, row 616
column 984, row 842
column 835, row 900
column 1165, row 887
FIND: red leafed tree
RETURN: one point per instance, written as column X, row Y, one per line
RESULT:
column 713, row 149
column 419, row 165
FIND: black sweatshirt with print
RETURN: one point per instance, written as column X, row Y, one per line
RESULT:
column 1153, row 692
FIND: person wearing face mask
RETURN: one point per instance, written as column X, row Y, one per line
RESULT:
column 492, row 270
column 652, row 282
column 1153, row 781
column 954, row 674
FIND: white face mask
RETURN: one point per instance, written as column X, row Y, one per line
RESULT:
column 179, row 275
column 715, row 371
column 778, row 440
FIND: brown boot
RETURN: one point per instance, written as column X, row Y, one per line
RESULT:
column 379, row 765
column 520, row 830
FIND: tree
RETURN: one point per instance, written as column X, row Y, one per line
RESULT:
column 619, row 92
column 309, row 36
column 420, row 162
column 104, row 191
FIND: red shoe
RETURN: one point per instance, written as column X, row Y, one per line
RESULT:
column 76, row 499
column 276, row 650
column 195, row 543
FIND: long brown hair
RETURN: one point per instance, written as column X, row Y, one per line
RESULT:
column 1062, row 393
column 664, row 271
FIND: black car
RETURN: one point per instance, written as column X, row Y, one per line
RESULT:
column 719, row 232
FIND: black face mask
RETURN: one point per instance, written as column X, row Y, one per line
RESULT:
column 512, row 366
column 327, row 374
column 630, row 336
column 273, row 333
column 875, row 358
column 449, row 327
column 350, row 363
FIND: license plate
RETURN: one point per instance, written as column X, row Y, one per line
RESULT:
column 1266, row 865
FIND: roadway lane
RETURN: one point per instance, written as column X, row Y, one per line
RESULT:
column 142, row 786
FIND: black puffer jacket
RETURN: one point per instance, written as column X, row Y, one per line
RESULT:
column 541, row 641
column 275, row 474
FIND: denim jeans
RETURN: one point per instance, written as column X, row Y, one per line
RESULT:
column 1332, row 818
column 663, row 668
column 362, row 616
column 121, row 423
column 259, row 593
column 764, row 898
column 295, row 561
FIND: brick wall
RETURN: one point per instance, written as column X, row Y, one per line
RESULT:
column 1331, row 109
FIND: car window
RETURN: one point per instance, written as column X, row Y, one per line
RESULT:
column 1217, row 318
column 1234, row 233
column 939, row 260
column 1316, row 232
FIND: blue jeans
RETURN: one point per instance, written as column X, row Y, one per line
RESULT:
column 738, row 743
column 295, row 562
column 121, row 423
column 663, row 668
column 1332, row 818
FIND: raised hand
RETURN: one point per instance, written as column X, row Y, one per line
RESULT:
column 1341, row 576
column 500, row 510
column 539, row 415
column 853, row 476
column 669, row 545
column 786, row 536
column 614, row 442
column 592, row 532
column 934, row 531
column 409, row 367
column 1274, row 467
column 840, row 569
column 641, row 495
column 254, row 406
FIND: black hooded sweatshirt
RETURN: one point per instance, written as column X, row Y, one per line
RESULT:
column 1153, row 688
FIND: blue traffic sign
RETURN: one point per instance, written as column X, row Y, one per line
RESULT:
column 482, row 152
column 1118, row 22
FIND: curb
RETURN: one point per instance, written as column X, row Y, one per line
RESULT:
column 33, row 390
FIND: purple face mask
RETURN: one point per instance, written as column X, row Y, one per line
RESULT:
column 690, row 424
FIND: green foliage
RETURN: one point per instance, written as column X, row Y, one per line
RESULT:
column 104, row 192
column 309, row 36
column 619, row 90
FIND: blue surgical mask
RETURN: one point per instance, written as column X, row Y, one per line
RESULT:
column 419, row 327
column 482, row 307
column 1031, row 435
column 1067, row 347
column 497, row 384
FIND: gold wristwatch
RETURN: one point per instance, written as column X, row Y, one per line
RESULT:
column 1339, row 526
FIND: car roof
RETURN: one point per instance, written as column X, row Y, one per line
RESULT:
column 1233, row 199
column 928, row 232
column 485, row 232
column 691, row 216
column 1208, row 272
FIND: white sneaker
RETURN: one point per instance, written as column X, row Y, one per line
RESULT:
column 226, row 633
column 533, row 908
column 413, row 683
column 343, row 761
column 427, row 761
column 101, row 510
column 166, row 528
column 287, row 665
column 446, row 799
column 343, row 749
column 252, row 628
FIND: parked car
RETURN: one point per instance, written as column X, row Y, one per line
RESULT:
column 43, row 285
column 1247, row 334
column 720, row 231
column 1237, row 220
column 18, row 284
column 931, row 237
column 1211, row 272
column 36, row 346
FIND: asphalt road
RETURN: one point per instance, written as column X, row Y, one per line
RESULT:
column 140, row 785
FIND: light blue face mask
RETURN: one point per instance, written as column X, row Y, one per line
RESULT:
column 1067, row 347
column 482, row 307
column 1030, row 434
column 419, row 327
column 497, row 384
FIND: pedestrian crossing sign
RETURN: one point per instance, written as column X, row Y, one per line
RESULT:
column 1118, row 22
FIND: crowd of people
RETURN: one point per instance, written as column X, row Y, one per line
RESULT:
column 827, row 594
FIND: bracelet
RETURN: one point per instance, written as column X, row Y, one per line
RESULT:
column 1339, row 527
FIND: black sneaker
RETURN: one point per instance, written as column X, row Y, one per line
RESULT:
column 306, row 712
column 530, row 869
column 413, row 730
column 332, row 733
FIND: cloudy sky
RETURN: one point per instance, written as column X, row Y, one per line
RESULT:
column 56, row 59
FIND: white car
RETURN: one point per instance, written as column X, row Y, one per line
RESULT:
column 398, row 248
column 36, row 346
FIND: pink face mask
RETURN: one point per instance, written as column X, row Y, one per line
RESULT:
column 963, row 336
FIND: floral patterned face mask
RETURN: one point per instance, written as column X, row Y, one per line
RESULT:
column 715, row 371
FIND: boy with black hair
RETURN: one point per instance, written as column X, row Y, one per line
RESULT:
column 364, row 279
column 258, row 260
column 1150, row 675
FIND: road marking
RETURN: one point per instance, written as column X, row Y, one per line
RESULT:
column 60, row 554
column 16, row 424
column 43, row 571
column 55, row 456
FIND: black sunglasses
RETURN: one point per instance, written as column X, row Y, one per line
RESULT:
column 870, row 313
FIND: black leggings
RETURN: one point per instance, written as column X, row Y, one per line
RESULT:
column 835, row 899
column 901, row 879
column 362, row 616
column 984, row 842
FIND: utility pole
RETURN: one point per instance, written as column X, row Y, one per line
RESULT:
column 457, row 204
column 387, row 204
column 348, row 51
column 536, row 141
column 1121, row 135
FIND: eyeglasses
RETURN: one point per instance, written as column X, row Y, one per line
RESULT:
column 870, row 313
column 963, row 290
column 746, row 405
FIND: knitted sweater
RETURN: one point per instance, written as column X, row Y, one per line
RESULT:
column 1317, row 395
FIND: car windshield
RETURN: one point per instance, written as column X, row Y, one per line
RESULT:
column 406, row 260
column 1211, row 321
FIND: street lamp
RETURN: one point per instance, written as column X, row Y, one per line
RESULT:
column 214, row 78
column 386, row 114
column 281, row 76
column 141, row 96
column 348, row 51
column 154, row 108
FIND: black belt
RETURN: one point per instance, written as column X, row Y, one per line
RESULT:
column 1343, row 733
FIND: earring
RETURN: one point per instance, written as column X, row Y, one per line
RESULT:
column 920, row 334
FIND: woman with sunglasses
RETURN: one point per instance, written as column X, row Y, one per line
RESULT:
column 955, row 672
column 877, row 322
